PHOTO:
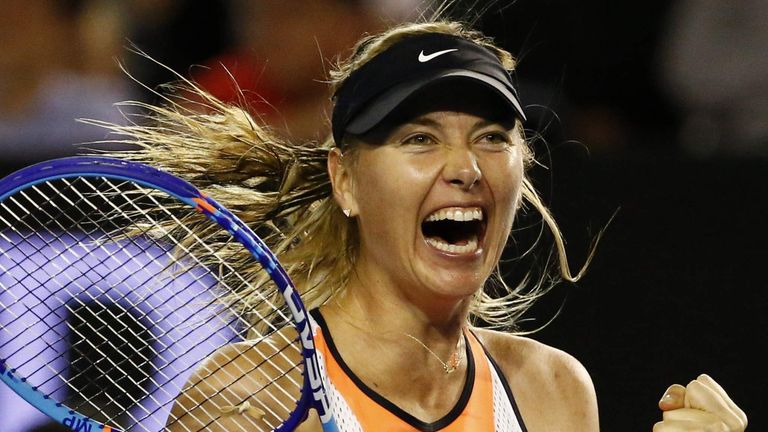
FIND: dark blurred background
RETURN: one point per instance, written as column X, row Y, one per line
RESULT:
column 658, row 109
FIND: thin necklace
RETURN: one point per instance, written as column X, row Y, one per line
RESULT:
column 450, row 366
column 453, row 361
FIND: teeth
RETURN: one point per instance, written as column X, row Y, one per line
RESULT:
column 471, row 246
column 460, row 215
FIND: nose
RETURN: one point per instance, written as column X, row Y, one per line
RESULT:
column 462, row 169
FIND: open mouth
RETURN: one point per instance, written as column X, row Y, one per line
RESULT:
column 455, row 230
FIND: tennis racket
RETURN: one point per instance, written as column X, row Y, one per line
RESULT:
column 115, row 315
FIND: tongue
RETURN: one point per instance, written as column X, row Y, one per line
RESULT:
column 458, row 242
column 461, row 242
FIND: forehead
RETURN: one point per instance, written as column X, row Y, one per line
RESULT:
column 447, row 96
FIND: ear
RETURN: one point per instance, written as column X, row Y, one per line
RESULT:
column 341, row 181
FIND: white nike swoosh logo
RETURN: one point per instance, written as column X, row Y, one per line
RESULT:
column 425, row 58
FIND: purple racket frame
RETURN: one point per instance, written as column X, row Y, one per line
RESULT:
column 313, row 393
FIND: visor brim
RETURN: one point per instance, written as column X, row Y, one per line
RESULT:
column 384, row 104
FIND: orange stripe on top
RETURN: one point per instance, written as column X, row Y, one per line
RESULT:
column 477, row 415
column 204, row 204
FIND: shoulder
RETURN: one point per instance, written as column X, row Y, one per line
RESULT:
column 518, row 354
column 550, row 386
column 231, row 364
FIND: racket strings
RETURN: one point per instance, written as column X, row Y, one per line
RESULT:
column 89, row 221
column 192, row 238
column 118, row 365
column 50, row 345
column 243, row 375
column 60, row 226
column 81, row 369
column 61, row 253
column 79, row 222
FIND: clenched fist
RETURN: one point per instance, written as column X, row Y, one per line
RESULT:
column 702, row 405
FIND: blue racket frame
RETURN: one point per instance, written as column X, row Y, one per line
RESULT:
column 313, row 393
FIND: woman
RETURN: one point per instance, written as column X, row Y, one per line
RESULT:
column 395, row 243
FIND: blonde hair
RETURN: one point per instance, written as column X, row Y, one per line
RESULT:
column 282, row 190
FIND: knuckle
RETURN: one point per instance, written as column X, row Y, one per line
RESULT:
column 736, row 422
column 742, row 423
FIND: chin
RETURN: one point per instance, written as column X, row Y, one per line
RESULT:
column 459, row 288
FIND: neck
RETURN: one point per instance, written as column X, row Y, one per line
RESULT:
column 405, row 332
column 421, row 344
column 376, row 308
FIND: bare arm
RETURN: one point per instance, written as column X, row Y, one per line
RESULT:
column 567, row 400
column 241, row 387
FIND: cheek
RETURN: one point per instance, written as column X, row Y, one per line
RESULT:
column 505, row 182
column 391, row 179
column 388, row 192
column 505, row 177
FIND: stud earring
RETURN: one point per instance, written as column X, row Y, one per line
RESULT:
column 347, row 212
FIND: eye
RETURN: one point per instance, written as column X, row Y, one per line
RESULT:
column 494, row 139
column 419, row 139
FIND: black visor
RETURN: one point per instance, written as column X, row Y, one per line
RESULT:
column 380, row 85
